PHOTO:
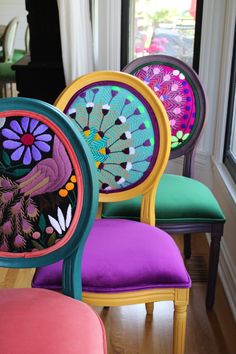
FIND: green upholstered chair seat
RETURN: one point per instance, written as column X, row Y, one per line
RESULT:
column 18, row 54
column 6, row 72
column 178, row 199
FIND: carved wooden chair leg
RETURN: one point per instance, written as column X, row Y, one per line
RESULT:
column 180, row 316
column 149, row 308
column 213, row 267
column 187, row 246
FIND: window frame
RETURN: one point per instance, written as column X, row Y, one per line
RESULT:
column 228, row 158
column 125, row 21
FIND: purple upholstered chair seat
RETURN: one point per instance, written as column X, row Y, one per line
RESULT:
column 122, row 261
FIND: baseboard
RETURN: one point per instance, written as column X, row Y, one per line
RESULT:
column 227, row 273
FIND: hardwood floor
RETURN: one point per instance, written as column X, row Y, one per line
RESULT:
column 130, row 331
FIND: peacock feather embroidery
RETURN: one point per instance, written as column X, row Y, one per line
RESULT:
column 121, row 131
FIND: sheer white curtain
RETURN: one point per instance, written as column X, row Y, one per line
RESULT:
column 76, row 38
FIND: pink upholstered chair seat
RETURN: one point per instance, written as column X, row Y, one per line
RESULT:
column 46, row 322
column 129, row 256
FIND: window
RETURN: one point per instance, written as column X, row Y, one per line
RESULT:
column 230, row 139
column 161, row 27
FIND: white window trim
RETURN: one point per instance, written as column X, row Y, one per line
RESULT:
column 222, row 106
column 210, row 61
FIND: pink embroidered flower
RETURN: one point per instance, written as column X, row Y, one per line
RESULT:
column 36, row 235
column 4, row 247
column 7, row 228
column 19, row 241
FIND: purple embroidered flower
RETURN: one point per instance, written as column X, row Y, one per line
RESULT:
column 28, row 140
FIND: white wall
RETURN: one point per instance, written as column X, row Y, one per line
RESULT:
column 10, row 9
column 223, row 185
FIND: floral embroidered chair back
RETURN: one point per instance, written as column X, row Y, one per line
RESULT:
column 43, row 199
column 121, row 121
column 179, row 89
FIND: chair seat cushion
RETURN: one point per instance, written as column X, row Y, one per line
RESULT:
column 6, row 72
column 178, row 199
column 38, row 321
column 123, row 255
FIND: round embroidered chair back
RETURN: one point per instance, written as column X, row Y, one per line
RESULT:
column 179, row 89
column 125, row 126
column 43, row 199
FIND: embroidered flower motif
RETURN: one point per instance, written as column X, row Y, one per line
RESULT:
column 19, row 241
column 178, row 139
column 4, row 246
column 27, row 138
column 62, row 223
column 7, row 228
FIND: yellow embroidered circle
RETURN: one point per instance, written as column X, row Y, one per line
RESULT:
column 63, row 193
column 70, row 186
column 73, row 178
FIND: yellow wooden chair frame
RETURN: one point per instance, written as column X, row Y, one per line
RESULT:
column 147, row 189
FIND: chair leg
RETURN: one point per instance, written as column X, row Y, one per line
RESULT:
column 180, row 317
column 149, row 308
column 187, row 246
column 213, row 268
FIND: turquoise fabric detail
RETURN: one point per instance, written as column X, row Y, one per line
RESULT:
column 116, row 123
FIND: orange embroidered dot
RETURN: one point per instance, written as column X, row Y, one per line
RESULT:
column 70, row 186
column 73, row 179
column 63, row 193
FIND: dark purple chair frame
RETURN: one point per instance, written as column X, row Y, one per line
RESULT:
column 187, row 150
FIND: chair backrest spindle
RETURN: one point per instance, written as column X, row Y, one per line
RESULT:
column 9, row 39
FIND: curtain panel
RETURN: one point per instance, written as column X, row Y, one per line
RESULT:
column 76, row 38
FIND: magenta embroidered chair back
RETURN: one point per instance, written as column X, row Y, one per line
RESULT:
column 179, row 89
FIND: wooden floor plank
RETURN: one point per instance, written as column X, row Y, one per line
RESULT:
column 130, row 331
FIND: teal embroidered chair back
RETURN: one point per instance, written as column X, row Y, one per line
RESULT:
column 48, row 187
